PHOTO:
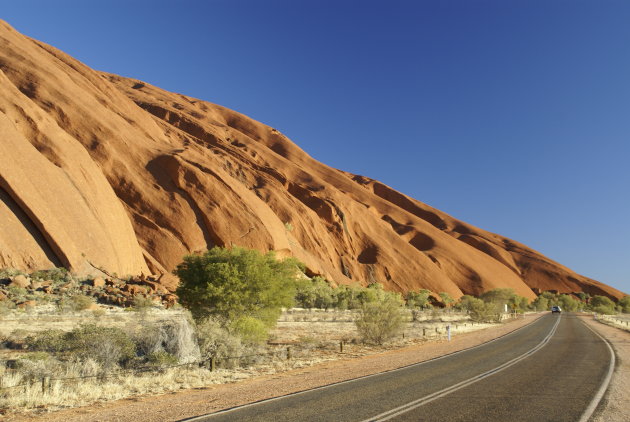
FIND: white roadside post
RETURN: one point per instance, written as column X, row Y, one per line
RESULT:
column 448, row 331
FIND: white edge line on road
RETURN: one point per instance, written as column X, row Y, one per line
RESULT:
column 602, row 389
column 231, row 409
column 438, row 394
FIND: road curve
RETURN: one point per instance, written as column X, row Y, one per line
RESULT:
column 546, row 371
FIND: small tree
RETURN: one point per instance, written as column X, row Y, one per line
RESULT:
column 419, row 299
column 230, row 284
column 541, row 303
column 602, row 305
column 380, row 319
column 624, row 303
column 568, row 303
column 446, row 299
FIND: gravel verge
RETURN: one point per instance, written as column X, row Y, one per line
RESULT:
column 185, row 404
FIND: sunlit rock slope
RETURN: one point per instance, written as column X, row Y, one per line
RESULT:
column 101, row 170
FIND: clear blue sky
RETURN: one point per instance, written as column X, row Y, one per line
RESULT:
column 511, row 115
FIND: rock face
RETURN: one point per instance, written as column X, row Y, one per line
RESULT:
column 101, row 170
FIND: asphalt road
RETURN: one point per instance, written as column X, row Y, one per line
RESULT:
column 546, row 371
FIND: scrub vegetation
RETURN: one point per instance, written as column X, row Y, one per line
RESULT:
column 242, row 313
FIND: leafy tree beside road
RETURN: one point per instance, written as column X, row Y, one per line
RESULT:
column 243, row 288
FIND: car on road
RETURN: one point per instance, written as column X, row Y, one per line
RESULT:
column 556, row 309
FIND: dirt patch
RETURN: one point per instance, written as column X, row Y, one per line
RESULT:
column 176, row 406
column 616, row 406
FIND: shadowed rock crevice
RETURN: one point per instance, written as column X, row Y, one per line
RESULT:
column 163, row 166
column 422, row 242
column 369, row 255
column 31, row 227
column 405, row 203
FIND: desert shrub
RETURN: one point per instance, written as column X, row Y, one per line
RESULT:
column 466, row 302
column 419, row 299
column 10, row 272
column 602, row 301
column 216, row 341
column 347, row 297
column 486, row 312
column 314, row 293
column 624, row 304
column 250, row 330
column 17, row 293
column 603, row 309
column 106, row 345
column 162, row 358
column 57, row 275
column 447, row 300
column 380, row 320
column 6, row 306
column 232, row 283
column 584, row 297
column 34, row 366
column 541, row 303
column 552, row 299
column 77, row 302
column 142, row 304
column 602, row 305
column 506, row 296
column 479, row 310
column 518, row 303
column 99, row 313
column 498, row 295
column 568, row 303
column 51, row 341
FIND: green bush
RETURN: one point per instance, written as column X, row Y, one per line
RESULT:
column 541, row 303
column 479, row 310
column 467, row 302
column 624, row 304
column 75, row 303
column 568, row 303
column 315, row 293
column 57, row 275
column 16, row 293
column 347, row 297
column 506, row 296
column 603, row 309
column 142, row 304
column 6, row 306
column 162, row 358
column 227, row 347
column 236, row 282
column 51, row 341
column 251, row 330
column 107, row 345
column 381, row 319
column 447, row 300
column 419, row 299
column 10, row 272
column 602, row 305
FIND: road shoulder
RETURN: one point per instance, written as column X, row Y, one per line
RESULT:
column 190, row 403
column 616, row 402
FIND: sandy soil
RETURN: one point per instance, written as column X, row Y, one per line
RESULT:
column 176, row 406
column 616, row 401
